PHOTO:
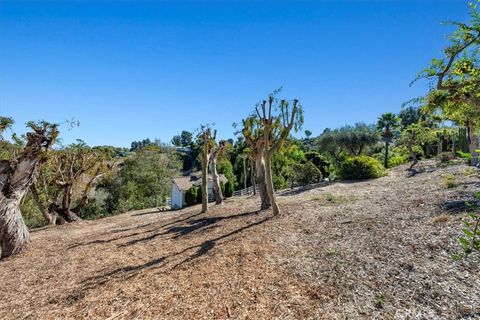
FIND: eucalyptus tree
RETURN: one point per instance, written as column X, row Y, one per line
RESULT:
column 455, row 79
column 387, row 124
column 16, row 176
column 277, row 119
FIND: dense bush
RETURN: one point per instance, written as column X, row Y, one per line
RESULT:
column 279, row 182
column 304, row 173
column 361, row 167
column 228, row 189
column 199, row 194
column 321, row 162
column 191, row 195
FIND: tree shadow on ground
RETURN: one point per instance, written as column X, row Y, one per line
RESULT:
column 192, row 226
column 159, row 210
column 101, row 241
column 191, row 253
column 459, row 206
column 302, row 189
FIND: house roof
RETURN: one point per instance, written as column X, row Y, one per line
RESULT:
column 195, row 179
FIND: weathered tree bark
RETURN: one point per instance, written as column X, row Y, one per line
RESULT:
column 269, row 185
column 252, row 177
column 65, row 212
column 217, row 190
column 261, row 181
column 16, row 177
column 472, row 142
column 205, row 161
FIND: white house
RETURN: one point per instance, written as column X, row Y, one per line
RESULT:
column 181, row 184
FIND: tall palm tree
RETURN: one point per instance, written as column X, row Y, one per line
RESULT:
column 387, row 124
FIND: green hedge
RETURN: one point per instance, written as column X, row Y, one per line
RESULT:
column 228, row 189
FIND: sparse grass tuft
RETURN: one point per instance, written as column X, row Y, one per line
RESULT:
column 332, row 198
column 440, row 219
column 449, row 181
column 471, row 171
column 379, row 301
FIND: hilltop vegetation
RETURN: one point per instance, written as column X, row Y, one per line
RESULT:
column 379, row 248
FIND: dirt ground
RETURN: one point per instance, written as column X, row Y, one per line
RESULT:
column 377, row 249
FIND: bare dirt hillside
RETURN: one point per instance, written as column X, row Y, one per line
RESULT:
column 376, row 249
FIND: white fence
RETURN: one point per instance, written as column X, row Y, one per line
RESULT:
column 244, row 192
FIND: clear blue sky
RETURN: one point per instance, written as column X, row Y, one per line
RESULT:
column 129, row 70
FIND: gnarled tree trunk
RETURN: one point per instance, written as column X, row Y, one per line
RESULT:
column 16, row 177
column 472, row 142
column 413, row 155
column 269, row 185
column 217, row 190
column 205, row 161
column 252, row 177
column 261, row 181
column 16, row 180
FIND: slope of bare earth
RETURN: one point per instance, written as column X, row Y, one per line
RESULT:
column 376, row 249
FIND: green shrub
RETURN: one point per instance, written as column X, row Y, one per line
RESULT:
column 467, row 156
column 321, row 162
column 361, row 167
column 191, row 195
column 228, row 189
column 445, row 156
column 470, row 241
column 396, row 161
column 222, row 187
column 199, row 194
column 304, row 173
column 279, row 182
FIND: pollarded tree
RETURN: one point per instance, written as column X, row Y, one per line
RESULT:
column 387, row 124
column 456, row 79
column 253, row 134
column 206, row 136
column 215, row 152
column 16, row 177
column 210, row 153
column 277, row 121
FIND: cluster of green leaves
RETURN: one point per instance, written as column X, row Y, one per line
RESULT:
column 347, row 141
column 470, row 240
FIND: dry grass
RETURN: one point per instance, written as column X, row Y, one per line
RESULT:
column 344, row 250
